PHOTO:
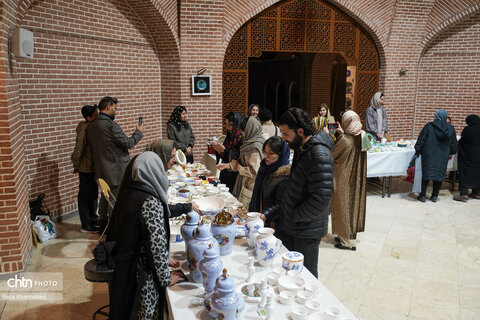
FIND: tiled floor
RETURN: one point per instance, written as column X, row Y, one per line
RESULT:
column 414, row 261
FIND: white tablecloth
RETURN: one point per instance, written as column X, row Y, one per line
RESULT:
column 180, row 296
column 395, row 163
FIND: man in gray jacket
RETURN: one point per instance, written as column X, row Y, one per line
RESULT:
column 110, row 150
column 303, row 219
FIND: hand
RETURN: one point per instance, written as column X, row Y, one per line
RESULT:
column 140, row 127
column 380, row 136
column 188, row 151
column 222, row 166
column 219, row 148
column 325, row 129
column 450, row 157
column 174, row 263
column 339, row 129
column 239, row 166
column 263, row 217
column 176, row 277
column 195, row 207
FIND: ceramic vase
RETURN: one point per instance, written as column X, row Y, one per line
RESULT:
column 224, row 230
column 224, row 302
column 266, row 246
column 211, row 267
column 188, row 228
column 200, row 241
column 251, row 227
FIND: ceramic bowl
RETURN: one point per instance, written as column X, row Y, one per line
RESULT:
column 272, row 278
column 290, row 283
column 299, row 313
column 292, row 260
column 179, row 184
column 312, row 306
column 210, row 206
column 286, row 297
column 221, row 185
column 312, row 287
column 279, row 270
column 183, row 193
column 304, row 296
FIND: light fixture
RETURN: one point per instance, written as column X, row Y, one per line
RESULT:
column 201, row 71
column 402, row 71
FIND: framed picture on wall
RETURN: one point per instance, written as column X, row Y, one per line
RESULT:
column 201, row 85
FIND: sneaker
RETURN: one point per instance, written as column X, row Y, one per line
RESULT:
column 460, row 198
column 89, row 229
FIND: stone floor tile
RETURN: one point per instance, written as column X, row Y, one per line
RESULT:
column 387, row 299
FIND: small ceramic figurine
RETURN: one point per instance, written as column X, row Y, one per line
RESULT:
column 269, row 307
column 263, row 294
column 250, row 269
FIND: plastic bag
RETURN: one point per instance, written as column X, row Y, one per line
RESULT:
column 45, row 228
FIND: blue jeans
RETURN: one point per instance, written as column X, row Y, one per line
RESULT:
column 306, row 246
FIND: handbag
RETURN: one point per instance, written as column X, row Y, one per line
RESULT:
column 102, row 253
column 411, row 169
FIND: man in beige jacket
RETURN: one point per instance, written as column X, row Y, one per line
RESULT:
column 83, row 165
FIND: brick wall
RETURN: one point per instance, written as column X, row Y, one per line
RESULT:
column 15, row 234
column 447, row 75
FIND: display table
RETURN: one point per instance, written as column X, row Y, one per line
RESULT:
column 395, row 163
column 181, row 297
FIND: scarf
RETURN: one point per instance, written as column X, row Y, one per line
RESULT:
column 353, row 126
column 175, row 118
column 375, row 103
column 262, row 172
column 163, row 148
column 148, row 169
column 253, row 137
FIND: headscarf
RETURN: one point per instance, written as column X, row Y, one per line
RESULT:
column 163, row 148
column 441, row 115
column 148, row 169
column 375, row 103
column 472, row 120
column 253, row 137
column 329, row 117
column 264, row 169
column 352, row 125
column 175, row 118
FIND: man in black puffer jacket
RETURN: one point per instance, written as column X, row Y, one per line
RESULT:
column 305, row 207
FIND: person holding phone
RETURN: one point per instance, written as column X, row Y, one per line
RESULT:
column 180, row 131
column 323, row 118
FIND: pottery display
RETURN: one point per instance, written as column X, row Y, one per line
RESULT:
column 224, row 230
column 195, row 248
column 224, row 302
column 188, row 228
column 211, row 267
column 266, row 246
column 292, row 260
column 251, row 227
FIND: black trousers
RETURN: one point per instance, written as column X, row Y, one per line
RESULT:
column 306, row 246
column 464, row 190
column 436, row 187
column 87, row 199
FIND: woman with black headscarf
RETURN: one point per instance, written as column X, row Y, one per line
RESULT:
column 140, row 229
column 469, row 160
column 436, row 142
column 230, row 149
column 180, row 131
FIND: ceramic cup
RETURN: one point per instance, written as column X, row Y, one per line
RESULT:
column 299, row 313
column 312, row 306
column 272, row 278
column 330, row 313
column 286, row 297
column 303, row 296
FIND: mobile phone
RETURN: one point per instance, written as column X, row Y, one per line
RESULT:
column 140, row 121
column 332, row 126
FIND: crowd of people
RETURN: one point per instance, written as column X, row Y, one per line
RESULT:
column 326, row 176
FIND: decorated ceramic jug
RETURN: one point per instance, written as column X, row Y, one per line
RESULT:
column 251, row 227
column 188, row 228
column 266, row 246
column 223, row 229
column 211, row 267
column 200, row 241
column 224, row 302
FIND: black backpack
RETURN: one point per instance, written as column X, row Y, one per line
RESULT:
column 37, row 207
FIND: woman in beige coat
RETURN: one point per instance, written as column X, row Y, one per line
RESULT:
column 248, row 163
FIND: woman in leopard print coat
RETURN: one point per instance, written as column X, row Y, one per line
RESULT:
column 139, row 226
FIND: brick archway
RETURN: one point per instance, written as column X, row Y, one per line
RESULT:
column 303, row 27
